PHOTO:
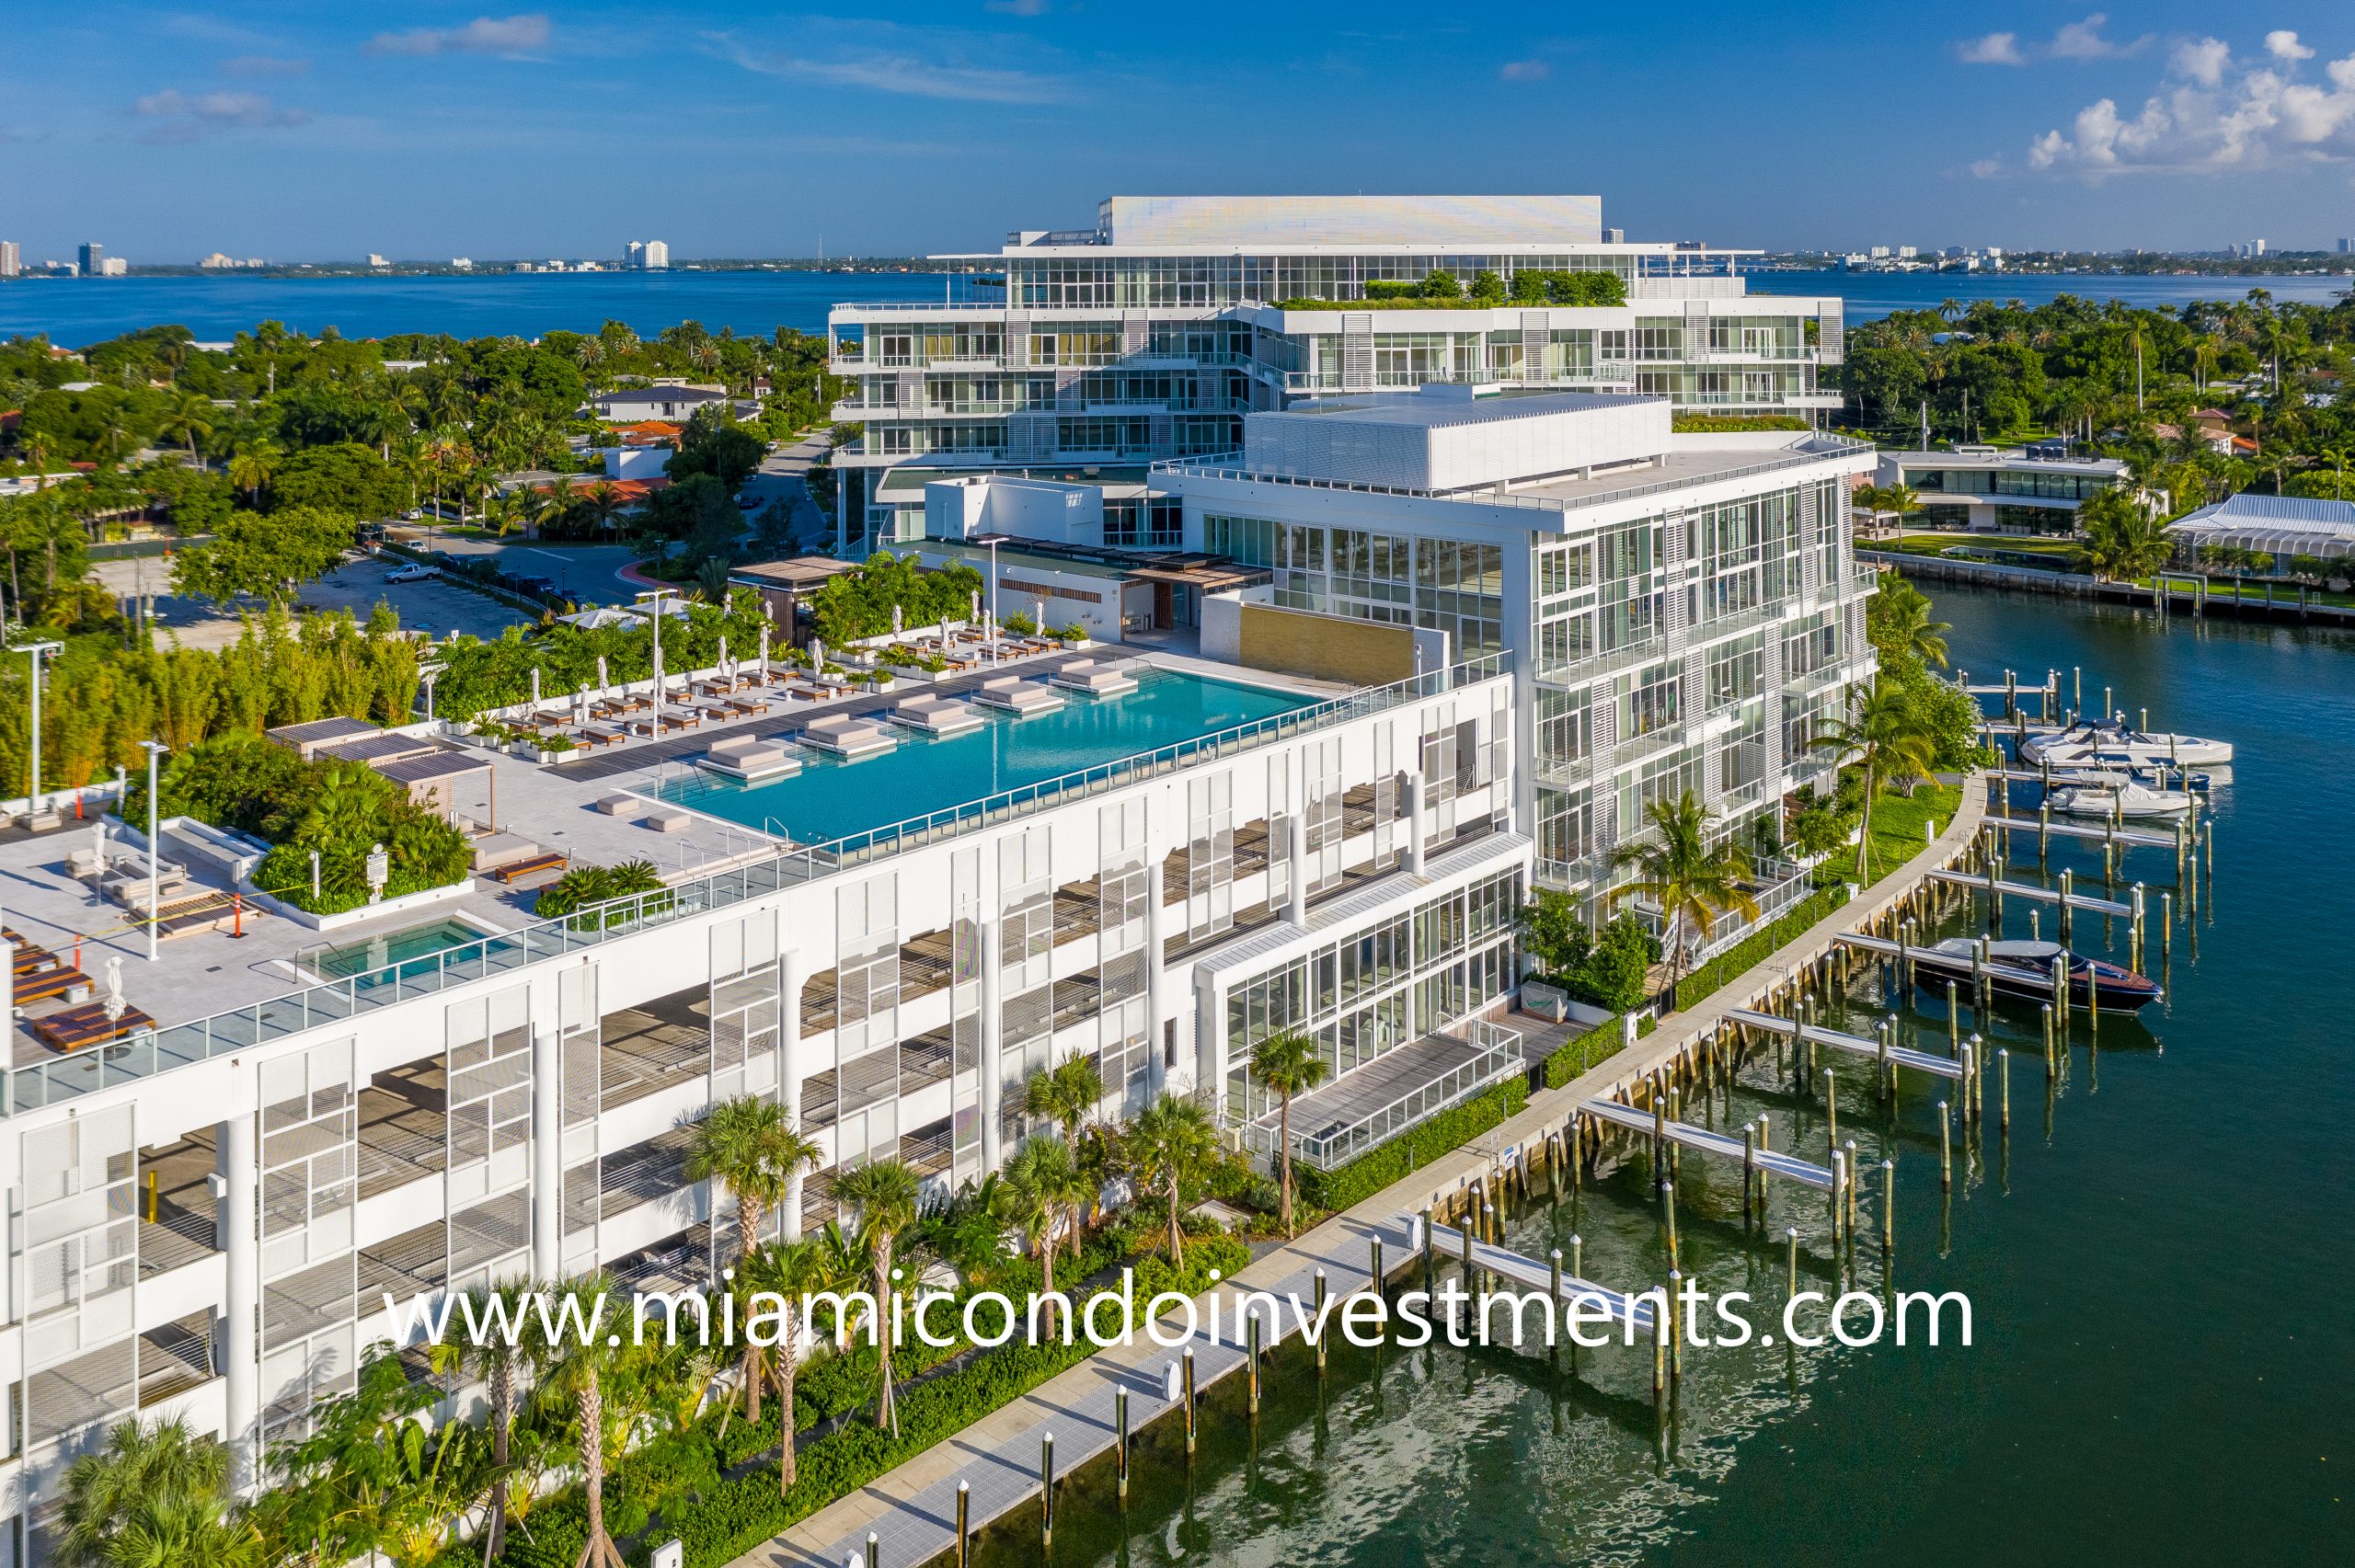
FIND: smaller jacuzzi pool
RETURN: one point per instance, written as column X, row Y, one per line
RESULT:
column 414, row 951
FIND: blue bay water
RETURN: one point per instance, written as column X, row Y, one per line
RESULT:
column 2161, row 1372
column 76, row 312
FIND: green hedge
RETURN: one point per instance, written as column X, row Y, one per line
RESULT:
column 1756, row 947
column 1370, row 1173
column 719, row 1521
column 1717, row 422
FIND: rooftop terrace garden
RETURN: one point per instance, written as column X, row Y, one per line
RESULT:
column 1444, row 290
column 341, row 809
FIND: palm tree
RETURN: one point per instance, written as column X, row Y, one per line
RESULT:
column 253, row 466
column 607, row 506
column 748, row 1147
column 1882, row 736
column 2337, row 457
column 1169, row 1147
column 191, row 416
column 1044, row 1183
column 1689, row 872
column 711, row 581
column 2123, row 540
column 789, row 1271
column 155, row 1495
column 1067, row 1094
column 574, row 1364
column 1904, row 625
column 1286, row 1063
column 885, row 1193
column 499, row 1360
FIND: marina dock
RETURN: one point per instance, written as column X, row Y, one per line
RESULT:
column 2031, row 892
column 1854, row 1045
column 1447, row 1243
column 1772, row 1162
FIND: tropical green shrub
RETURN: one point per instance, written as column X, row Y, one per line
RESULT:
column 1370, row 1173
column 341, row 809
column 585, row 885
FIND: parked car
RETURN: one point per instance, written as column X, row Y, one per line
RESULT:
column 413, row 572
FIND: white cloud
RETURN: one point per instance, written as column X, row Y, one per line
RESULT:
column 485, row 35
column 2203, row 61
column 2083, row 40
column 2075, row 40
column 2211, row 113
column 1986, row 169
column 1524, row 70
column 184, row 116
column 1995, row 49
column 900, row 72
column 1019, row 7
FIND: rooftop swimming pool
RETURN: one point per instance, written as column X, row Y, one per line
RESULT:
column 415, row 950
column 830, row 799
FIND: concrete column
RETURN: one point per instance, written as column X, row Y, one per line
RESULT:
column 1156, row 966
column 1410, row 799
column 1296, row 870
column 992, row 1025
column 240, row 1375
column 548, row 1141
column 789, row 1073
column 1209, row 1040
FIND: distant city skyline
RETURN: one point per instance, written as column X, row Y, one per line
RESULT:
column 254, row 128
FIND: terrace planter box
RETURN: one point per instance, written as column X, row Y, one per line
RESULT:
column 532, row 754
column 909, row 672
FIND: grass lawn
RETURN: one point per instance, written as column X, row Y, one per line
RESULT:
column 1898, row 823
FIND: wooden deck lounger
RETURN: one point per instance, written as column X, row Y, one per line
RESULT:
column 72, row 1028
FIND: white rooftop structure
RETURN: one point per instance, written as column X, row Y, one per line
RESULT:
column 1451, row 436
column 1193, row 222
column 2276, row 525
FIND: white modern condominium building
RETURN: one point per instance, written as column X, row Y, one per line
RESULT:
column 1151, row 335
column 1678, row 610
column 1583, row 611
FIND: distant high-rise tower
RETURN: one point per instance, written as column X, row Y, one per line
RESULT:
column 12, row 260
column 92, row 254
column 634, row 254
column 656, row 256
column 2258, row 249
column 1614, row 236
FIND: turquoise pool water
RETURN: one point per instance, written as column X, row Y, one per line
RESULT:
column 413, row 949
column 828, row 800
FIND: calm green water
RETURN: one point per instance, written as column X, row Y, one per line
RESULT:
column 2161, row 1370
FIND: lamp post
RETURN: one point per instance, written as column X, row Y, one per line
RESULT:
column 658, row 596
column 155, row 749
column 32, row 789
column 993, row 589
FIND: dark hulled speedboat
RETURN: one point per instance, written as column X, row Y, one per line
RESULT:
column 2023, row 971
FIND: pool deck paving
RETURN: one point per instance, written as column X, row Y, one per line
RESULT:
column 911, row 1509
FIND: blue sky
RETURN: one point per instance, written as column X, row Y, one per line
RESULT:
column 300, row 131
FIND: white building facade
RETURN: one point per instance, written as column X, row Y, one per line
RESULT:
column 1151, row 335
column 1678, row 610
column 208, row 1218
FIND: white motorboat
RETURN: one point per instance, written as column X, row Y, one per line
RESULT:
column 2121, row 796
column 2114, row 745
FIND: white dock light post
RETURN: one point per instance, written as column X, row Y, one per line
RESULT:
column 155, row 749
column 32, row 788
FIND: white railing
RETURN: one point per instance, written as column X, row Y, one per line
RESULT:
column 1498, row 1057
column 149, row 1052
column 1813, row 448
